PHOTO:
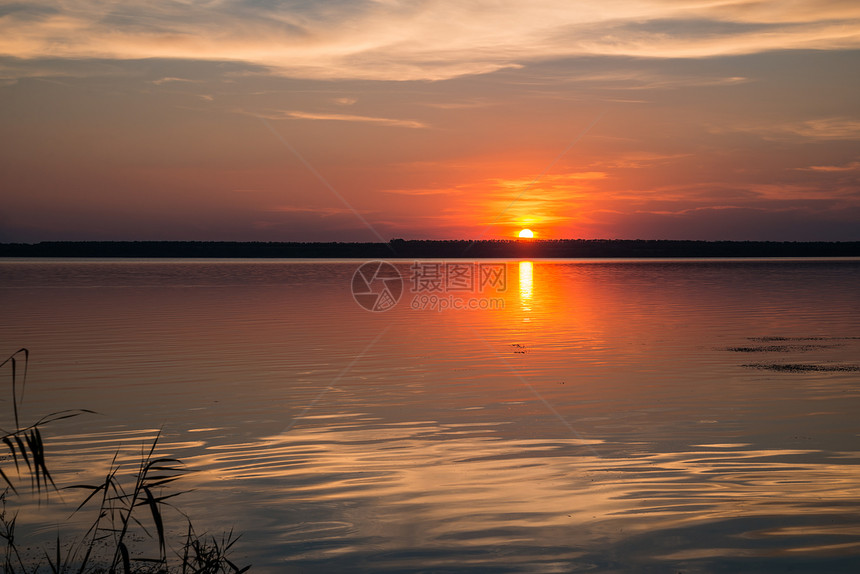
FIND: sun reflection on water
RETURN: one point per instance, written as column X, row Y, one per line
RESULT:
column 526, row 285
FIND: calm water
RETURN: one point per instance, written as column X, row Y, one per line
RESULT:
column 612, row 416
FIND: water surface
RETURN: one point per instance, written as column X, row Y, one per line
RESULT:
column 612, row 416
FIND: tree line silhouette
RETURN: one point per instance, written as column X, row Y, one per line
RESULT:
column 410, row 249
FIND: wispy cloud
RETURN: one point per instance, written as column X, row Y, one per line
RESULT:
column 319, row 211
column 352, row 118
column 422, row 40
column 169, row 80
column 827, row 128
column 423, row 191
column 333, row 117
column 853, row 166
column 833, row 128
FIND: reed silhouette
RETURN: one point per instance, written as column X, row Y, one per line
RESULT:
column 118, row 503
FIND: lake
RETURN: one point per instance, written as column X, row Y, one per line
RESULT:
column 502, row 416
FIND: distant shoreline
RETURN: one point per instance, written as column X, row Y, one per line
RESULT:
column 434, row 249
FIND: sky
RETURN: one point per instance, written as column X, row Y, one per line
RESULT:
column 366, row 120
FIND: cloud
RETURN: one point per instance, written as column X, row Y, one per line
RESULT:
column 639, row 159
column 170, row 80
column 350, row 118
column 320, row 211
column 424, row 191
column 323, row 116
column 853, row 166
column 827, row 128
column 833, row 128
column 799, row 222
column 459, row 105
column 639, row 80
column 419, row 40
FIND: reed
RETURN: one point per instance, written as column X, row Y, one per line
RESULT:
column 125, row 507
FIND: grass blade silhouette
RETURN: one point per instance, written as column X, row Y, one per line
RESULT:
column 115, row 500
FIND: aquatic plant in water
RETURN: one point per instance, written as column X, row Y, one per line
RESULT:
column 126, row 508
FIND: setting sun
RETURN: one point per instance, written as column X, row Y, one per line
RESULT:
column 527, row 233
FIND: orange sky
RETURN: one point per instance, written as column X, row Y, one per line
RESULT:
column 365, row 119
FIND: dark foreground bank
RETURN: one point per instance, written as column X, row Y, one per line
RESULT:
column 399, row 248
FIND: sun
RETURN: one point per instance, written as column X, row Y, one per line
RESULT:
column 527, row 233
